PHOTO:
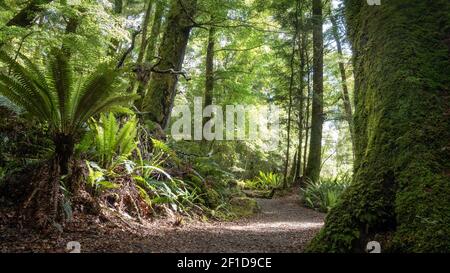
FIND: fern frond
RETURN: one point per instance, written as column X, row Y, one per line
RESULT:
column 61, row 78
column 125, row 143
column 13, row 91
column 25, row 79
column 105, row 106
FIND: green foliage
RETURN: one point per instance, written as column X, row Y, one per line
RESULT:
column 97, row 178
column 324, row 194
column 55, row 97
column 112, row 142
column 265, row 181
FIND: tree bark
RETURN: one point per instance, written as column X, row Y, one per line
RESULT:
column 162, row 90
column 345, row 93
column 209, row 73
column 155, row 31
column 290, row 94
column 152, row 42
column 303, row 43
column 401, row 188
column 307, row 109
column 145, row 23
column 317, row 118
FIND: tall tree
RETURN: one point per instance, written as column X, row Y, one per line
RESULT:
column 145, row 24
column 290, row 93
column 156, row 29
column 162, row 90
column 401, row 188
column 209, row 72
column 151, row 44
column 345, row 93
column 315, row 149
column 303, row 46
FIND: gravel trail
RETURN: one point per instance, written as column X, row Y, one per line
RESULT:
column 283, row 225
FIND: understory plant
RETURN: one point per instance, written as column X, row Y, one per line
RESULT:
column 264, row 181
column 324, row 194
column 55, row 97
column 108, row 142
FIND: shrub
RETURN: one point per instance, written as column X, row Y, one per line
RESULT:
column 265, row 181
column 324, row 195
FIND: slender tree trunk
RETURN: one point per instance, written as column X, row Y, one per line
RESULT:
column 401, row 188
column 315, row 148
column 137, row 84
column 291, row 87
column 145, row 23
column 307, row 110
column 155, row 31
column 209, row 83
column 301, row 111
column 345, row 93
column 152, row 42
column 209, row 73
column 162, row 90
column 64, row 149
column 290, row 94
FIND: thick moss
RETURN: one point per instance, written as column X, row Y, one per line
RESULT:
column 401, row 190
column 244, row 206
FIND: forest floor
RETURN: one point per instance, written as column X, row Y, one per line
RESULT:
column 283, row 225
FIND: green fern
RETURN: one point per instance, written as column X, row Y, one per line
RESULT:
column 53, row 96
column 111, row 141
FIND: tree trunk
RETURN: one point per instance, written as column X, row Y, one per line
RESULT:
column 152, row 42
column 64, row 149
column 155, row 31
column 401, row 188
column 315, row 148
column 209, row 73
column 307, row 110
column 345, row 93
column 291, row 87
column 301, row 111
column 162, row 90
column 209, row 83
column 145, row 23
column 138, row 83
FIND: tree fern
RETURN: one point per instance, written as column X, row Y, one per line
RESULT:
column 55, row 97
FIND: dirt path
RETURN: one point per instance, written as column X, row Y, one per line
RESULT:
column 282, row 226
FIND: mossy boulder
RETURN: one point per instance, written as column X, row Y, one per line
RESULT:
column 244, row 206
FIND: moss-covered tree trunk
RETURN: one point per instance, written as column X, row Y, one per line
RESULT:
column 159, row 99
column 315, row 147
column 152, row 43
column 400, row 195
column 155, row 31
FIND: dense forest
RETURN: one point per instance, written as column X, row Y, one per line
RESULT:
column 207, row 125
